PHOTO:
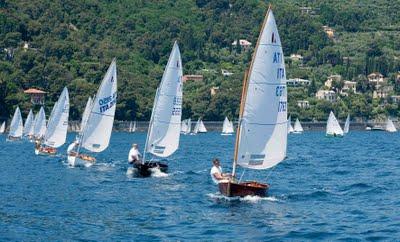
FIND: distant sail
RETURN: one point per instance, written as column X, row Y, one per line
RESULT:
column 202, row 128
column 290, row 127
column 97, row 130
column 347, row 124
column 227, row 127
column 332, row 127
column 56, row 132
column 28, row 123
column 263, row 126
column 165, row 123
column 3, row 127
column 196, row 127
column 184, row 126
column 16, row 126
column 40, row 124
column 390, row 126
column 32, row 129
column 297, row 127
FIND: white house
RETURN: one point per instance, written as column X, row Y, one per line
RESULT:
column 295, row 82
column 326, row 95
column 243, row 43
column 303, row 104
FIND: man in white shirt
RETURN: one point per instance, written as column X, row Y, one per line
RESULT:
column 216, row 172
column 134, row 156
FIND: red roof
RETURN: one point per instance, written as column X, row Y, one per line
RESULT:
column 34, row 91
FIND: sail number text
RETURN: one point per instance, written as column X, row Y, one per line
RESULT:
column 177, row 106
column 107, row 102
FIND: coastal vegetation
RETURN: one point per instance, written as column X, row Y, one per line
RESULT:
column 51, row 44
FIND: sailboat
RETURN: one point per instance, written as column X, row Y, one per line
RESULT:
column 202, row 127
column 31, row 131
column 390, row 126
column 227, row 127
column 186, row 126
column 298, row 129
column 290, row 127
column 56, row 132
column 165, row 122
column 96, row 130
column 132, row 127
column 28, row 123
column 40, row 125
column 347, row 125
column 261, row 136
column 333, row 128
column 16, row 126
column 3, row 127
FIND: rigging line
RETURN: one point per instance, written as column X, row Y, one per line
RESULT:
column 270, row 172
column 242, row 175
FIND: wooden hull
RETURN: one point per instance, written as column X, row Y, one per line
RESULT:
column 250, row 188
column 144, row 170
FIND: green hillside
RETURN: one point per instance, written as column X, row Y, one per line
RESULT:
column 71, row 43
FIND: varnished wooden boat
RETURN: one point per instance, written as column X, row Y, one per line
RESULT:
column 144, row 170
column 242, row 189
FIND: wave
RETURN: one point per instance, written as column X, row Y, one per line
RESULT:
column 248, row 199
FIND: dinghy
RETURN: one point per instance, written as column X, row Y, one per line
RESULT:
column 3, row 127
column 56, row 132
column 165, row 123
column 347, row 125
column 39, row 128
column 290, row 127
column 184, row 126
column 298, row 129
column 28, row 123
column 333, row 128
column 96, row 130
column 390, row 126
column 16, row 127
column 132, row 127
column 261, row 136
column 227, row 127
column 202, row 127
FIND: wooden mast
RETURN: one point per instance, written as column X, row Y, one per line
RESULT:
column 244, row 97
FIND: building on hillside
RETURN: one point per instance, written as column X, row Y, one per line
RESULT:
column 329, row 31
column 243, row 43
column 376, row 77
column 296, row 82
column 303, row 104
column 296, row 57
column 382, row 92
column 214, row 91
column 226, row 72
column 327, row 95
column 186, row 78
column 395, row 98
column 306, row 10
column 349, row 87
column 37, row 96
column 331, row 79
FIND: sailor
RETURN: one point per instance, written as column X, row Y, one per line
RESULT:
column 216, row 172
column 71, row 148
column 134, row 156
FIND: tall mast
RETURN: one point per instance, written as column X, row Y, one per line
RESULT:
column 244, row 94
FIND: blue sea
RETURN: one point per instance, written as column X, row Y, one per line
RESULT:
column 327, row 189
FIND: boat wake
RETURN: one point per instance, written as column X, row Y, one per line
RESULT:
column 248, row 199
column 156, row 172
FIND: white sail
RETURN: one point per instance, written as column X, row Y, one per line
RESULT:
column 40, row 124
column 297, row 127
column 165, row 126
column 97, row 130
column 332, row 127
column 16, row 126
column 347, row 124
column 290, row 127
column 28, row 123
column 134, row 127
column 3, row 127
column 263, row 126
column 189, row 126
column 202, row 128
column 184, row 126
column 85, row 114
column 130, row 127
column 390, row 126
column 196, row 127
column 32, row 129
column 56, row 132
column 227, row 127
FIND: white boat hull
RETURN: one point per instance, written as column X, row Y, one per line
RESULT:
column 226, row 134
column 75, row 161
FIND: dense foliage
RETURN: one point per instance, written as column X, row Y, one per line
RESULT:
column 71, row 43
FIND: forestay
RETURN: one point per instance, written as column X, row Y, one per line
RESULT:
column 28, row 123
column 16, row 126
column 97, row 131
column 263, row 127
column 56, row 132
column 165, row 126
column 332, row 126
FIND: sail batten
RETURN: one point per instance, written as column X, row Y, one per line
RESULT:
column 263, row 125
column 165, row 125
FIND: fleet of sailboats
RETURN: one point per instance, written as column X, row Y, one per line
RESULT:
column 96, row 133
column 261, row 137
column 227, row 127
column 333, row 128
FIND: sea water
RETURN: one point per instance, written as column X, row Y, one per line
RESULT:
column 327, row 189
